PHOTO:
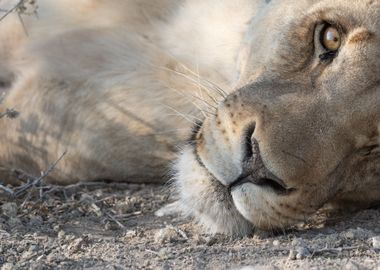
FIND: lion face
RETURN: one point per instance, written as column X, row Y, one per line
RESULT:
column 302, row 128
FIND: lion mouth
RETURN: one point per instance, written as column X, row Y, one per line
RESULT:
column 255, row 172
column 274, row 183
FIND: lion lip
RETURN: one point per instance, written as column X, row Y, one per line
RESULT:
column 272, row 182
column 255, row 172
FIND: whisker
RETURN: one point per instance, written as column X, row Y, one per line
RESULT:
column 190, row 96
column 224, row 93
column 172, row 131
column 217, row 89
column 186, row 117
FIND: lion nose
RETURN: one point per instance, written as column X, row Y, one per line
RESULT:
column 248, row 142
column 254, row 170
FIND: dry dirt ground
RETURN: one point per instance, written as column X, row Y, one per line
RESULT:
column 114, row 226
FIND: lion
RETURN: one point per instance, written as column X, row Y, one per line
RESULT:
column 266, row 110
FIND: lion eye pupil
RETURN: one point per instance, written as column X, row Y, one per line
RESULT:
column 331, row 38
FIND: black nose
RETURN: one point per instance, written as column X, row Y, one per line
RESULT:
column 248, row 154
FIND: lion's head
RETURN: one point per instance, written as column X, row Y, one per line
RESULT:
column 302, row 129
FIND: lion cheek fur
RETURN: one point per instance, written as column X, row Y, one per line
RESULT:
column 206, row 199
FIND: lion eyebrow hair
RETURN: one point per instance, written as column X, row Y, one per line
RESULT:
column 360, row 35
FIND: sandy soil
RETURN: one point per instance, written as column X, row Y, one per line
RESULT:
column 113, row 226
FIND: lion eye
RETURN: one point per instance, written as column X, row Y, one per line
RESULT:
column 331, row 38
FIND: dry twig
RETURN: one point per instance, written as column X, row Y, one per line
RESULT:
column 332, row 250
column 9, row 113
column 37, row 181
column 115, row 220
column 20, row 8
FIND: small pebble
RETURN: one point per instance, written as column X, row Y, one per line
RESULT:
column 299, row 253
column 35, row 221
column 302, row 253
column 14, row 222
column 292, row 255
column 260, row 267
column 168, row 234
column 33, row 248
column 276, row 243
column 164, row 253
column 210, row 241
column 61, row 235
column 75, row 245
column 27, row 255
column 9, row 209
column 57, row 228
column 376, row 242
column 131, row 234
column 8, row 266
column 298, row 242
column 354, row 266
column 357, row 233
column 37, row 266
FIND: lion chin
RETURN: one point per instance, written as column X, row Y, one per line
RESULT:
column 283, row 97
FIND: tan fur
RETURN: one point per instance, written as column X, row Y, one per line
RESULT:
column 119, row 84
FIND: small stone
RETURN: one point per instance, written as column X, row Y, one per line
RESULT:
column 354, row 266
column 111, row 226
column 292, row 255
column 302, row 253
column 376, row 242
column 41, row 258
column 168, row 234
column 57, row 228
column 8, row 266
column 276, row 243
column 37, row 266
column 33, row 248
column 75, row 245
column 14, row 222
column 260, row 267
column 298, row 242
column 164, row 253
column 11, row 259
column 70, row 237
column 54, row 258
column 199, row 239
column 9, row 209
column 35, row 221
column 130, row 234
column 61, row 235
column 357, row 233
column 210, row 241
column 27, row 255
column 20, row 249
column 349, row 234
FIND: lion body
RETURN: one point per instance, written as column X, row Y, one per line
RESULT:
column 100, row 81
